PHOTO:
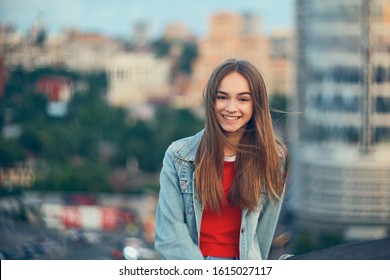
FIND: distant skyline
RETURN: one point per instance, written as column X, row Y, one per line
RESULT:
column 117, row 17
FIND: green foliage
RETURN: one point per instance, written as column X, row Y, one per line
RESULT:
column 10, row 152
column 162, row 47
column 83, row 150
column 310, row 239
column 32, row 108
column 303, row 242
column 188, row 53
column 29, row 140
column 86, row 177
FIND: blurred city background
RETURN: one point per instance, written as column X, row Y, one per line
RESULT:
column 91, row 96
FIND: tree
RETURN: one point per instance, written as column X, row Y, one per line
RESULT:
column 83, row 149
column 10, row 152
column 188, row 55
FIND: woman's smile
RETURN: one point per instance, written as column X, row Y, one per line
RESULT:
column 231, row 118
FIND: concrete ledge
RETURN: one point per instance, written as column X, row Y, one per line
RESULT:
column 368, row 250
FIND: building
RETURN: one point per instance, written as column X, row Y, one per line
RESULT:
column 232, row 35
column 71, row 49
column 59, row 91
column 23, row 174
column 136, row 78
column 282, row 68
column 86, row 52
column 341, row 156
column 56, row 88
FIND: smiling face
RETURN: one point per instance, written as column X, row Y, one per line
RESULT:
column 234, row 105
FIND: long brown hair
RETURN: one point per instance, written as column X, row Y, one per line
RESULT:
column 262, row 161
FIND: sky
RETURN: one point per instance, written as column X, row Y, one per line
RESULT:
column 117, row 17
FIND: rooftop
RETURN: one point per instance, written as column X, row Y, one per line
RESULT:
column 367, row 250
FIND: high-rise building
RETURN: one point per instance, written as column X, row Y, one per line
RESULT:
column 234, row 35
column 229, row 35
column 341, row 156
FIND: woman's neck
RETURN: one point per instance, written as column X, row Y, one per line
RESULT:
column 230, row 150
column 234, row 140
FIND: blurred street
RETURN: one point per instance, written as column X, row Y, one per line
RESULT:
column 28, row 233
column 21, row 240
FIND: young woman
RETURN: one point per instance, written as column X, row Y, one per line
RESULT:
column 221, row 190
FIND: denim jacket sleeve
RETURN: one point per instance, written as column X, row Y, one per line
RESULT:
column 268, row 221
column 258, row 228
column 172, row 236
column 267, row 225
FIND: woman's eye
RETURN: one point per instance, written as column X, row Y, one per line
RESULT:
column 221, row 97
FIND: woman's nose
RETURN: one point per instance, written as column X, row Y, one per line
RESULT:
column 231, row 107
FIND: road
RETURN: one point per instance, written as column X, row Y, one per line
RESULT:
column 22, row 240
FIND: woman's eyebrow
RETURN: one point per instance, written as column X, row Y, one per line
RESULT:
column 240, row 93
column 221, row 91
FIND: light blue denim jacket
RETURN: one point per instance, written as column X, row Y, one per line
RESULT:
column 179, row 212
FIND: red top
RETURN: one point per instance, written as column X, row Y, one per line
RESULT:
column 220, row 233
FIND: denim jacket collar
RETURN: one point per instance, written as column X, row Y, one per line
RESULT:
column 188, row 151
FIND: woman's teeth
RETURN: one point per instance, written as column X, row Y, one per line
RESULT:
column 231, row 118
